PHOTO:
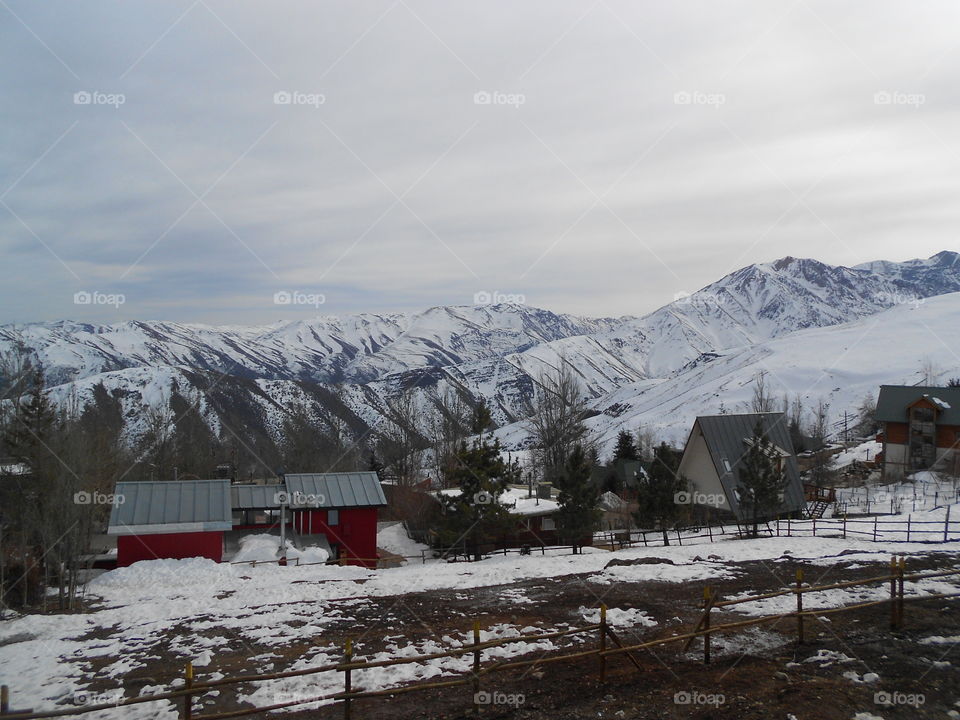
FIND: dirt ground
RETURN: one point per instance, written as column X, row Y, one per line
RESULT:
column 755, row 674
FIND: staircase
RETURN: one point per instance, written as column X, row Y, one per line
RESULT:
column 816, row 509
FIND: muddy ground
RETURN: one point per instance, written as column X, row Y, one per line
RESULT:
column 755, row 674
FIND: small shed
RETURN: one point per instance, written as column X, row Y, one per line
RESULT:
column 341, row 506
column 170, row 519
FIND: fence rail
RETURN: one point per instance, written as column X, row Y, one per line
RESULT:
column 896, row 577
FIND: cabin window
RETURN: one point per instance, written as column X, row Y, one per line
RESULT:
column 333, row 517
column 549, row 524
column 726, row 465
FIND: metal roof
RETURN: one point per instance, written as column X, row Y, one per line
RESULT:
column 144, row 508
column 335, row 490
column 894, row 400
column 257, row 497
column 725, row 436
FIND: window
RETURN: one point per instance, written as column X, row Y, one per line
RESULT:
column 726, row 465
column 549, row 524
column 333, row 517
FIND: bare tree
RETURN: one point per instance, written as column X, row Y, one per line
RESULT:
column 449, row 426
column 555, row 418
column 763, row 400
column 401, row 442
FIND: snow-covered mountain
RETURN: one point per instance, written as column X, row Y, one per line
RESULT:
column 486, row 351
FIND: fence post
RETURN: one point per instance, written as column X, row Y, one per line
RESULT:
column 901, row 566
column 710, row 529
column 946, row 525
column 799, row 606
column 347, row 680
column 874, row 528
column 778, row 525
column 909, row 518
column 789, row 534
column 893, row 593
column 476, row 666
column 844, row 526
column 4, row 699
column 603, row 642
column 188, row 698
column 708, row 605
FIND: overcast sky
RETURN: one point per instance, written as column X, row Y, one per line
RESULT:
column 594, row 157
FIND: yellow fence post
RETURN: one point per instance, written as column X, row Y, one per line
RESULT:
column 893, row 593
column 799, row 606
column 188, row 698
column 603, row 642
column 347, row 682
column 708, row 605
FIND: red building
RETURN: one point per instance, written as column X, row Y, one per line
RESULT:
column 921, row 429
column 170, row 519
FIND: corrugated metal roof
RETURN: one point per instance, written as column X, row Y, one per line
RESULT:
column 142, row 508
column 256, row 497
column 894, row 399
column 725, row 436
column 335, row 490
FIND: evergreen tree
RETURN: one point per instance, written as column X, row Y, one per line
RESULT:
column 657, row 491
column 762, row 481
column 27, row 436
column 578, row 516
column 626, row 448
column 481, row 418
column 374, row 464
column 475, row 515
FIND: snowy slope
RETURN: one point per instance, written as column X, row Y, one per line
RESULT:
column 631, row 369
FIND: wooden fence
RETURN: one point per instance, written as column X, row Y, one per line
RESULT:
column 473, row 678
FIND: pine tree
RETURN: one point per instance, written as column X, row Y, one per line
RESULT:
column 481, row 418
column 762, row 482
column 657, row 491
column 578, row 515
column 475, row 515
column 626, row 448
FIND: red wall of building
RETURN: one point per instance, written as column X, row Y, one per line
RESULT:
column 133, row 548
column 899, row 434
column 356, row 533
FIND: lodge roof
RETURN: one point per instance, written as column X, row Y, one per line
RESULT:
column 895, row 399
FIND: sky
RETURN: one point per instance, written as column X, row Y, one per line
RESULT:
column 238, row 162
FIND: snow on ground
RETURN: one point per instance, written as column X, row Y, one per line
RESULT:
column 209, row 605
column 919, row 492
column 619, row 617
column 264, row 547
column 861, row 453
column 394, row 539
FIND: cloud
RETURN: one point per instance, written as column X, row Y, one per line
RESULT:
column 396, row 156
